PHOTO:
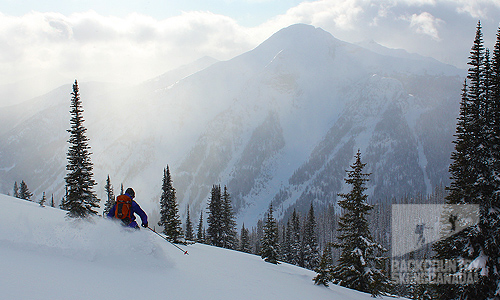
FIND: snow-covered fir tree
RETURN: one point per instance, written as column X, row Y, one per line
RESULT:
column 256, row 237
column 169, row 210
column 52, row 203
column 270, row 250
column 43, row 200
column 81, row 200
column 474, row 174
column 244, row 240
column 360, row 265
column 215, row 219
column 296, row 254
column 110, row 195
column 325, row 268
column 310, row 251
column 16, row 190
column 200, row 230
column 189, row 234
column 286, row 245
column 221, row 231
column 495, row 114
column 24, row 191
column 229, row 224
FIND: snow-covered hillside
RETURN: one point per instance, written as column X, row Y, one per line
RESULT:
column 44, row 255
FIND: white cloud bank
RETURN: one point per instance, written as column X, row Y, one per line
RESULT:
column 52, row 48
column 425, row 23
column 97, row 47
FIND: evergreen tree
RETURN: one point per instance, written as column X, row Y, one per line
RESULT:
column 310, row 246
column 81, row 200
column 200, row 236
column 52, row 203
column 270, row 251
column 63, row 199
column 245, row 240
column 215, row 219
column 229, row 224
column 474, row 178
column 286, row 246
column 43, row 200
column 189, row 227
column 169, row 211
column 359, row 266
column 16, row 190
column 108, row 188
column 325, row 268
column 494, row 229
column 495, row 114
column 24, row 192
column 256, row 237
column 296, row 255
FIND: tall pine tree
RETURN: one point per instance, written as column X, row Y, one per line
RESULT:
column 169, row 210
column 270, row 250
column 310, row 246
column 16, row 190
column 229, row 224
column 215, row 219
column 81, row 200
column 108, row 189
column 43, row 200
column 286, row 246
column 245, row 240
column 296, row 254
column 200, row 230
column 474, row 178
column 325, row 268
column 359, row 267
column 495, row 114
column 189, row 227
column 24, row 191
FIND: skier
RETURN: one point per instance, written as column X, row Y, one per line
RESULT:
column 125, row 208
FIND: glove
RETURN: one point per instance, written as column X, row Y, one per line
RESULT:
column 145, row 225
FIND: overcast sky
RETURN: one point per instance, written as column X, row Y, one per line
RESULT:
column 52, row 42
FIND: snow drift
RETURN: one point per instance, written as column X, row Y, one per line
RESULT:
column 44, row 255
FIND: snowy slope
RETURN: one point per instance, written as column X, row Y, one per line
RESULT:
column 43, row 255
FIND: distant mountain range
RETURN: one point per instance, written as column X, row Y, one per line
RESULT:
column 279, row 123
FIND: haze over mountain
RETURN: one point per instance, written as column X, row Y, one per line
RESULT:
column 279, row 123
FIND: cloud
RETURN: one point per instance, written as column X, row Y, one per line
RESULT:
column 442, row 29
column 425, row 23
column 343, row 14
column 91, row 46
column 478, row 9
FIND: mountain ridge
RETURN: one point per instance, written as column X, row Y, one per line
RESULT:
column 278, row 123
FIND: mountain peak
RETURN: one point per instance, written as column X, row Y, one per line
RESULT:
column 300, row 35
